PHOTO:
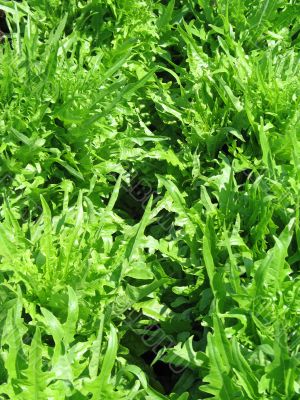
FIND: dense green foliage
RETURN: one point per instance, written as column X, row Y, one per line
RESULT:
column 150, row 192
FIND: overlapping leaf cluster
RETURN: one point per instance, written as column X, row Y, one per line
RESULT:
column 150, row 180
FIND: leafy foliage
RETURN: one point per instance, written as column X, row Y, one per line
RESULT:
column 149, row 172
